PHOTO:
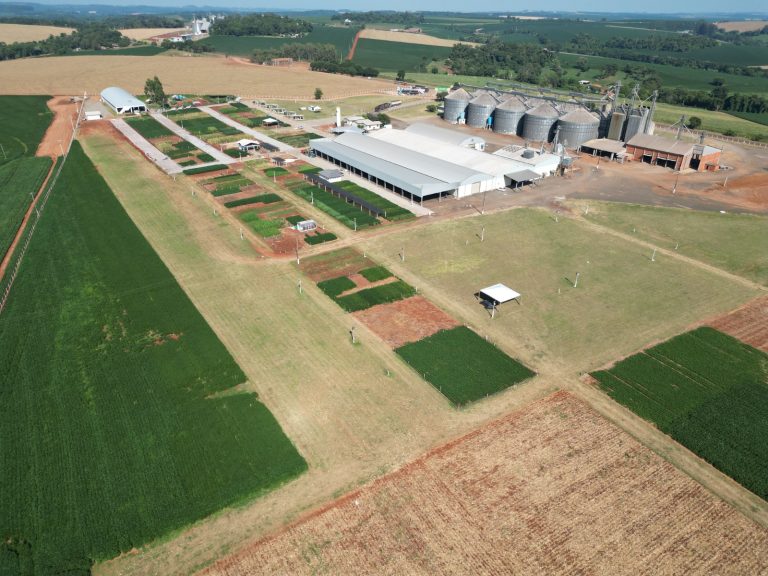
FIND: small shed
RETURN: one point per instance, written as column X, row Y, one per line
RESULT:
column 93, row 115
column 496, row 295
column 269, row 122
column 306, row 225
column 331, row 175
column 246, row 145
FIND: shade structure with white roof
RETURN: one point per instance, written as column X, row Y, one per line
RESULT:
column 121, row 101
column 498, row 294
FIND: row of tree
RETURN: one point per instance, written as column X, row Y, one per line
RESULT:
column 308, row 52
column 406, row 19
column 260, row 25
column 92, row 36
column 125, row 21
column 346, row 67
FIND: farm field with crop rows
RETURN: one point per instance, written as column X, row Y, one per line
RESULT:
column 384, row 55
column 118, row 418
column 709, row 392
column 20, row 179
column 463, row 366
column 24, row 120
column 348, row 214
column 340, row 37
column 392, row 211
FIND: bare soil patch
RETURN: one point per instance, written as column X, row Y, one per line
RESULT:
column 405, row 321
column 342, row 262
column 748, row 323
column 742, row 26
column 60, row 131
column 551, row 489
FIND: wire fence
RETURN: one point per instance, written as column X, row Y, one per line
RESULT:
column 342, row 193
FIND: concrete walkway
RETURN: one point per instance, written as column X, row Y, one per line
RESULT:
column 163, row 162
column 220, row 157
column 281, row 146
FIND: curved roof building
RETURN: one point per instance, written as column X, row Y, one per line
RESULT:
column 121, row 101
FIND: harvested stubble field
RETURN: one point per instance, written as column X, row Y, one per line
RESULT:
column 10, row 33
column 408, row 38
column 749, row 323
column 550, row 489
column 623, row 300
column 146, row 33
column 180, row 74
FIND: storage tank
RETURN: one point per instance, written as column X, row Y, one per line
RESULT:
column 634, row 124
column 508, row 117
column 539, row 122
column 577, row 127
column 456, row 106
column 480, row 110
column 617, row 125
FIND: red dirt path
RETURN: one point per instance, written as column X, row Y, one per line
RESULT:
column 60, row 131
column 354, row 46
column 748, row 323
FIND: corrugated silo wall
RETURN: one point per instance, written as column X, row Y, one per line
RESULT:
column 478, row 114
column 508, row 121
column 617, row 125
column 454, row 110
column 538, row 128
column 574, row 134
column 634, row 125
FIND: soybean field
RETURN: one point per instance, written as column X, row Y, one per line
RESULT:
column 118, row 416
column 24, row 120
column 709, row 392
column 19, row 181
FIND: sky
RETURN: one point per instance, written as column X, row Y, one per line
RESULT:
column 647, row 6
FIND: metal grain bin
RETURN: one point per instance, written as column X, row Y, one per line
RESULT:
column 577, row 127
column 480, row 110
column 617, row 125
column 634, row 124
column 538, row 124
column 508, row 117
column 456, row 106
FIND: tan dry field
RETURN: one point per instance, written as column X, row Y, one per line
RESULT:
column 551, row 489
column 193, row 74
column 742, row 25
column 408, row 38
column 59, row 132
column 147, row 33
column 748, row 323
column 10, row 33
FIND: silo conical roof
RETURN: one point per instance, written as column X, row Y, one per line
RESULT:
column 484, row 100
column 580, row 116
column 459, row 94
column 545, row 110
column 512, row 104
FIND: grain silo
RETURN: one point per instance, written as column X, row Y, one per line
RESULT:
column 634, row 124
column 508, row 117
column 617, row 124
column 456, row 106
column 539, row 123
column 577, row 127
column 480, row 110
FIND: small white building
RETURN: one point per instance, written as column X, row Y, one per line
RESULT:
column 543, row 163
column 246, row 145
column 122, row 102
column 93, row 115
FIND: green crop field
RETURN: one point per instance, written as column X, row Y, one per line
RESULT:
column 275, row 171
column 130, row 51
column 207, row 127
column 204, row 169
column 320, row 238
column 266, row 228
column 341, row 38
column 384, row 55
column 334, row 206
column 623, row 300
column 24, row 120
column 375, row 273
column 260, row 199
column 298, row 140
column 752, row 117
column 393, row 211
column 709, row 392
column 735, row 124
column 367, row 297
column 118, row 419
column 734, row 242
column 150, row 128
column 19, row 180
column 462, row 365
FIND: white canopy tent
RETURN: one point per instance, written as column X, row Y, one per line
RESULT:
column 495, row 295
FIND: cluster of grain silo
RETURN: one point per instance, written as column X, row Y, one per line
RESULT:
column 626, row 122
column 534, row 119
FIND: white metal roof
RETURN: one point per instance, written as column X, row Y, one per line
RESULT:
column 121, row 100
column 500, row 293
column 445, row 134
column 245, row 142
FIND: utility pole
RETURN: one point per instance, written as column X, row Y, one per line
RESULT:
column 352, row 334
column 298, row 259
column 653, row 256
column 576, row 282
column 482, row 234
column 402, row 254
column 677, row 178
column 299, row 285
column 482, row 208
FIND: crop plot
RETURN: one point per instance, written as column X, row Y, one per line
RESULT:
column 20, row 179
column 24, row 120
column 118, row 419
column 462, row 365
column 552, row 489
column 392, row 211
column 228, row 184
column 356, row 292
column 748, row 324
column 184, row 153
column 205, row 126
column 709, row 392
column 342, row 262
column 351, row 215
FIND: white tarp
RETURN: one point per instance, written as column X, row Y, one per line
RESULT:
column 499, row 293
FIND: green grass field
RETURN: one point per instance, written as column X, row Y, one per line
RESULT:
column 384, row 55
column 24, row 120
column 341, row 38
column 734, row 242
column 722, row 122
column 150, row 128
column 752, row 117
column 463, row 366
column 623, row 300
column 118, row 419
column 709, row 392
column 19, row 180
column 206, row 127
column 392, row 211
column 348, row 214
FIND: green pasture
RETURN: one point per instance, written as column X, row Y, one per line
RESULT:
column 119, row 419
column 463, row 366
column 737, row 243
column 755, row 117
column 724, row 123
column 709, row 392
column 621, row 302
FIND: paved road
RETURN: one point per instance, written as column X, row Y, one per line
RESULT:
column 164, row 163
column 283, row 147
column 220, row 157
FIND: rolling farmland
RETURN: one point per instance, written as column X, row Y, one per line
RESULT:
column 109, row 369
column 341, row 38
column 709, row 392
column 389, row 56
column 549, row 489
column 10, row 33
column 19, row 181
column 24, row 120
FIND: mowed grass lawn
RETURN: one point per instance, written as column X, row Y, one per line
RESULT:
column 623, row 300
column 737, row 243
column 118, row 419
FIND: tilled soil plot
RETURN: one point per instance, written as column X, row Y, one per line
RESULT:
column 748, row 323
column 405, row 321
column 551, row 489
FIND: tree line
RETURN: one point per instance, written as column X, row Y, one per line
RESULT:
column 127, row 21
column 346, row 67
column 407, row 19
column 91, row 36
column 260, row 25
column 497, row 58
column 308, row 52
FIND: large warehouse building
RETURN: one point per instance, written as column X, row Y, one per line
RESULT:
column 122, row 102
column 421, row 166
